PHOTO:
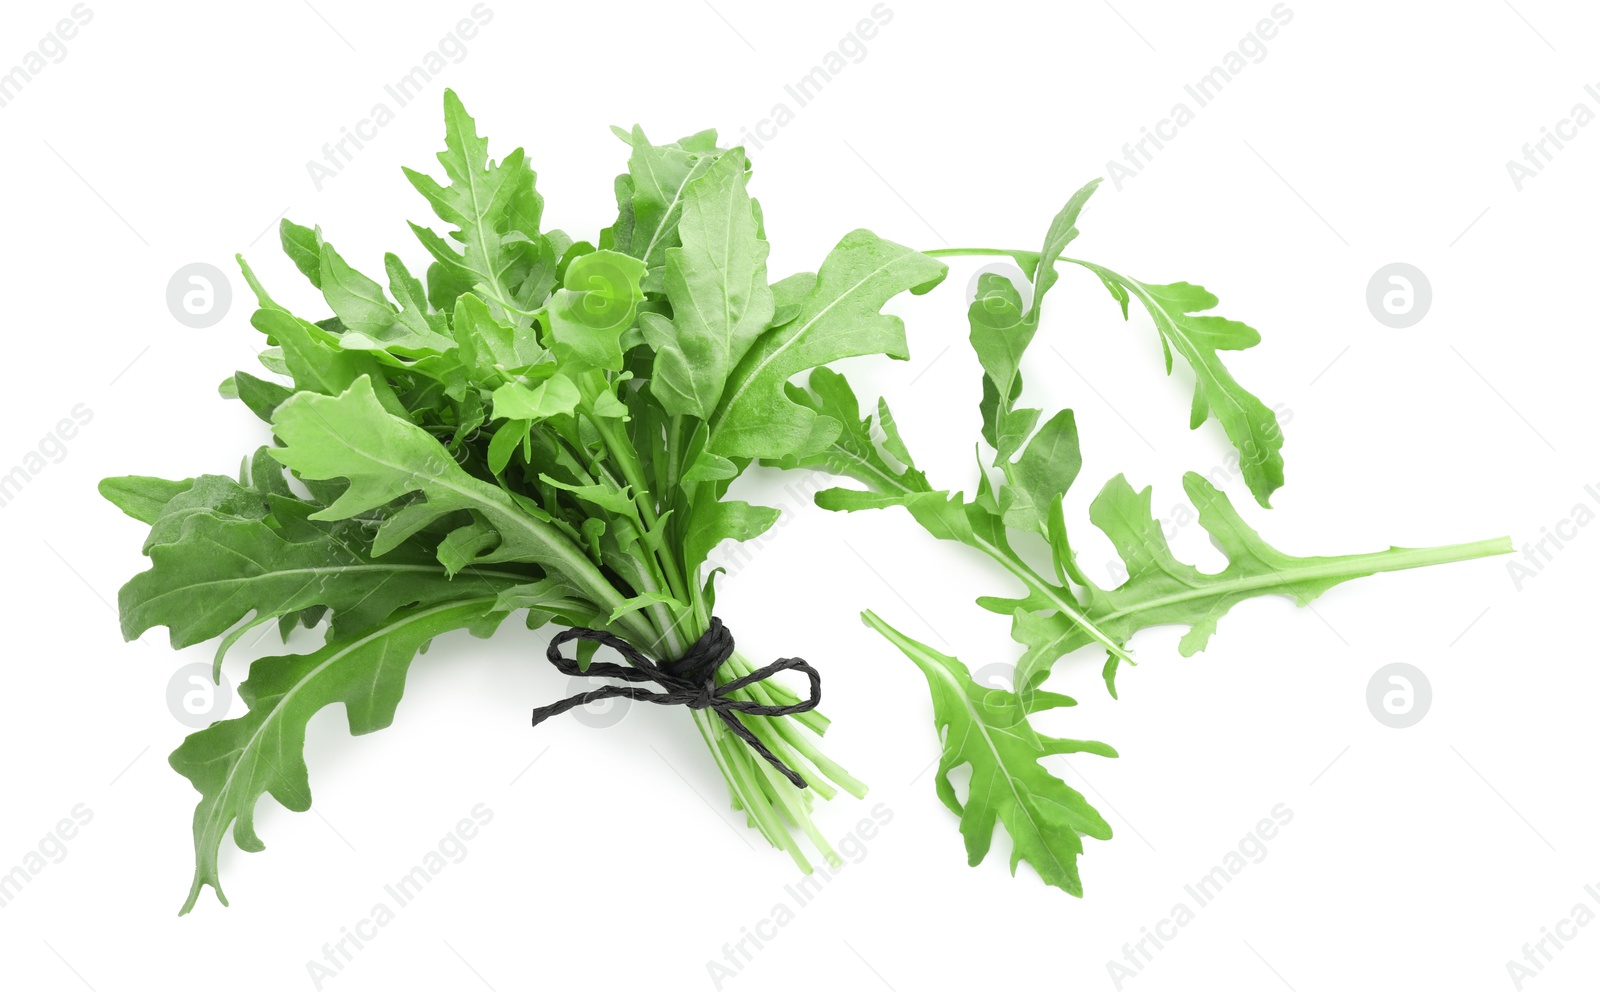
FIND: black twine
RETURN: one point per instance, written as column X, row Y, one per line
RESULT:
column 690, row 681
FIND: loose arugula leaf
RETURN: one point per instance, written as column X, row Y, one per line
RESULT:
column 1039, row 471
column 978, row 524
column 1058, row 614
column 987, row 730
column 1250, row 424
column 1177, row 310
column 1063, row 229
column 1162, row 590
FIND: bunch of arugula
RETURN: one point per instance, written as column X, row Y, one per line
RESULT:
column 1019, row 498
column 544, row 424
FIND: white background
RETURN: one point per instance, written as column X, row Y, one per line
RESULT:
column 1370, row 133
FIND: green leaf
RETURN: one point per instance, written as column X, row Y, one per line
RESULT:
column 221, row 570
column 644, row 600
column 839, row 318
column 596, row 305
column 1038, row 478
column 358, row 301
column 142, row 497
column 261, row 396
column 490, row 347
column 999, row 336
column 979, row 524
column 717, row 282
column 1177, row 309
column 854, row 451
column 496, row 212
column 1161, row 590
column 951, row 518
column 1063, row 229
column 417, row 329
column 613, row 500
column 1038, row 472
column 553, row 397
column 988, row 731
column 462, row 546
column 659, row 177
column 313, row 358
column 712, row 521
column 507, row 438
column 384, row 458
column 234, row 763
column 303, row 245
column 208, row 494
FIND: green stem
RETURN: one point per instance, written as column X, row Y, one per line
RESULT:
column 1036, row 583
column 757, row 801
column 797, row 805
column 633, row 474
column 775, row 806
column 771, row 694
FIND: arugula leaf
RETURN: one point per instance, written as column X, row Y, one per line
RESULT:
column 1249, row 423
column 590, row 315
column 1061, row 613
column 142, row 497
column 988, row 730
column 371, row 322
column 384, row 458
column 1177, row 310
column 490, row 349
column 261, row 396
column 978, row 524
column 553, row 397
column 713, row 521
column 855, row 448
column 496, row 211
column 658, row 181
column 717, row 283
column 233, row 763
column 219, row 569
column 838, row 318
column 1162, row 590
column 1038, row 471
column 314, row 358
column 303, row 245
